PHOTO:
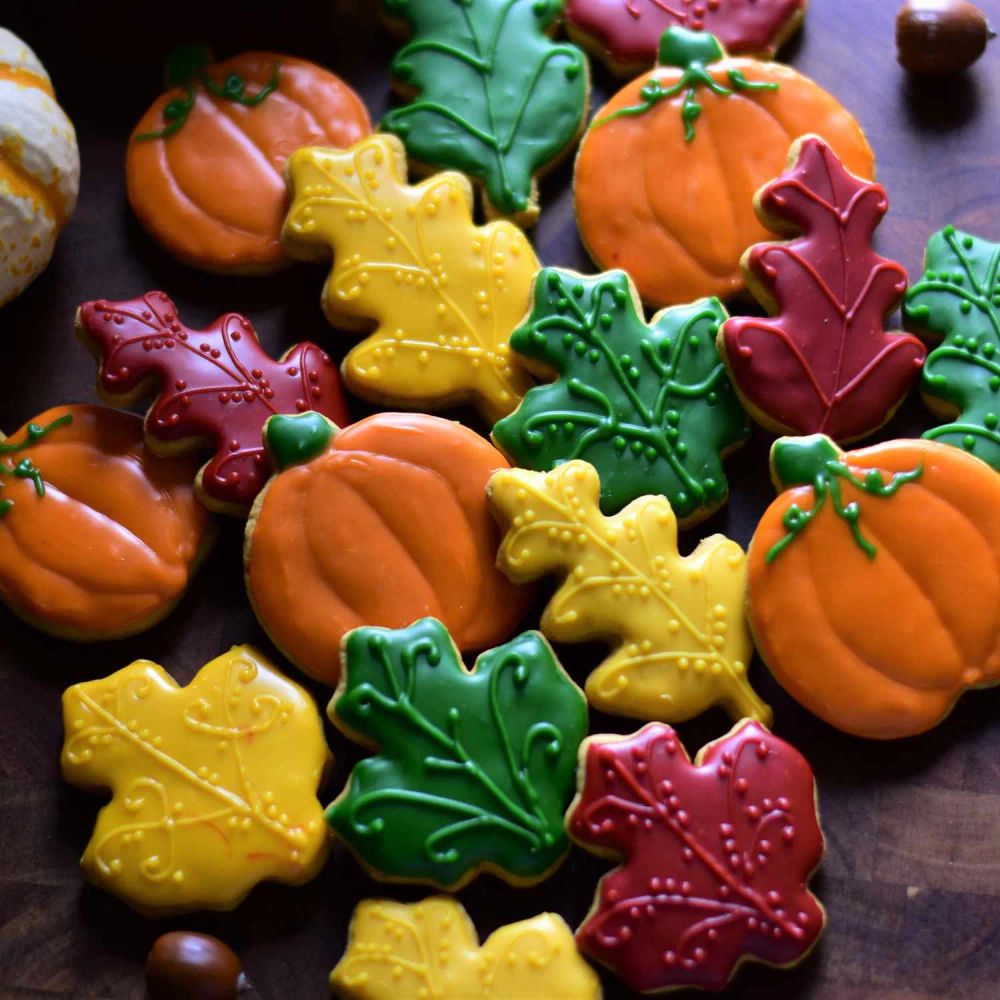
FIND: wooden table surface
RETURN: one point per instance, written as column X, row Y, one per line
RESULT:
column 911, row 877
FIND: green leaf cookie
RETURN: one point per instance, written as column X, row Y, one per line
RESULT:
column 650, row 407
column 474, row 769
column 495, row 97
column 958, row 298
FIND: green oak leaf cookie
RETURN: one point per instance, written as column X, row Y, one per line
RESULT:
column 650, row 407
column 494, row 96
column 958, row 299
column 474, row 768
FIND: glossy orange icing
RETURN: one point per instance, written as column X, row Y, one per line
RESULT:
column 213, row 193
column 388, row 525
column 678, row 215
column 881, row 645
column 111, row 545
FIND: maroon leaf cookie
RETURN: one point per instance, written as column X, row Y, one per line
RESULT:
column 216, row 385
column 717, row 855
column 824, row 362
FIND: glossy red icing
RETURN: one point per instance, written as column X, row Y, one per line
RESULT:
column 630, row 30
column 216, row 384
column 717, row 855
column 824, row 363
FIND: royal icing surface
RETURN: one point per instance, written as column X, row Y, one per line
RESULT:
column 213, row 784
column 958, row 300
column 443, row 293
column 683, row 643
column 381, row 524
column 493, row 95
column 629, row 31
column 474, row 768
column 39, row 167
column 431, row 949
column 875, row 581
column 717, row 855
column 216, row 385
column 204, row 164
column 824, row 362
column 666, row 175
column 77, row 481
column 650, row 407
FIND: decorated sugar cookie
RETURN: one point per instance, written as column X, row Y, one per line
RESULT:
column 489, row 93
column 957, row 302
column 627, row 33
column 875, row 581
column 649, row 406
column 204, row 164
column 823, row 362
column 213, row 785
column 716, row 856
column 216, row 385
column 681, row 639
column 379, row 524
column 668, row 170
column 431, row 949
column 39, row 167
column 442, row 293
column 99, row 538
column 473, row 768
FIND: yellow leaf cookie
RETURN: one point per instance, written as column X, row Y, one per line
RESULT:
column 684, row 641
column 213, row 785
column 399, row 951
column 443, row 294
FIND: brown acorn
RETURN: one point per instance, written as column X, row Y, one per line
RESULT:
column 940, row 36
column 183, row 965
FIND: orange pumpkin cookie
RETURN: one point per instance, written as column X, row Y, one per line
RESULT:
column 875, row 581
column 379, row 524
column 205, row 164
column 98, row 536
column 667, row 173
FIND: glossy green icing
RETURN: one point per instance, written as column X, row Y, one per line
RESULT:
column 294, row 439
column 26, row 468
column 958, row 299
column 817, row 462
column 693, row 52
column 473, row 767
column 650, row 407
column 496, row 97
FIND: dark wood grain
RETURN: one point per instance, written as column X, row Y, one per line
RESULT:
column 912, row 872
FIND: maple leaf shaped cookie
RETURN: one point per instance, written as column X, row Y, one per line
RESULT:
column 717, row 855
column 958, row 301
column 213, row 784
column 442, row 293
column 628, row 32
column 216, row 385
column 650, row 406
column 431, row 949
column 823, row 363
column 684, row 643
column 474, row 768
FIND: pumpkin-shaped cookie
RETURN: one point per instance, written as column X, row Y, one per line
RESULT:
column 875, row 581
column 667, row 173
column 205, row 164
column 39, row 167
column 378, row 524
column 98, row 536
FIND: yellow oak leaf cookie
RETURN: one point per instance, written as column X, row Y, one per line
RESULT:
column 213, row 785
column 396, row 951
column 684, row 642
column 443, row 294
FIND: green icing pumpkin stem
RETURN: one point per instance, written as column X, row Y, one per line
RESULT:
column 297, row 439
column 817, row 462
column 25, row 468
column 693, row 52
